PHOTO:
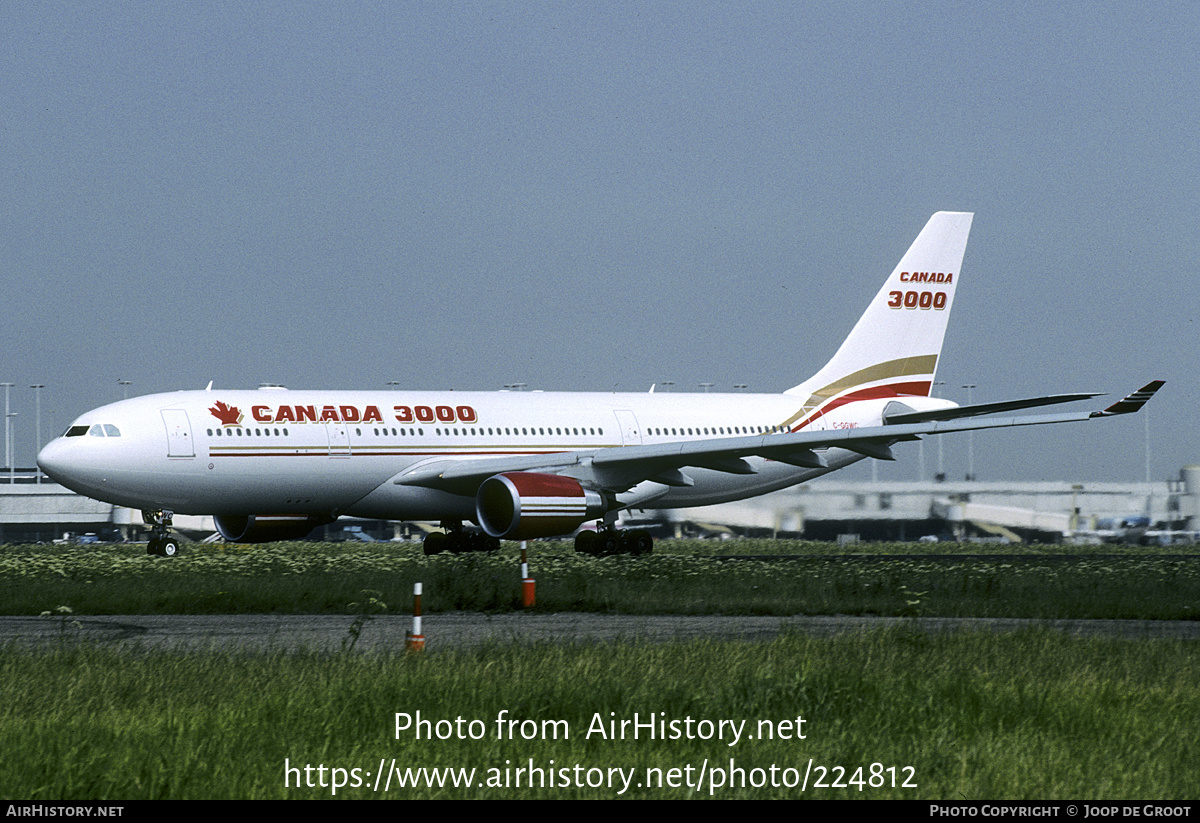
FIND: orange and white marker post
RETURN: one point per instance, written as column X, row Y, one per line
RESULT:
column 528, row 584
column 414, row 641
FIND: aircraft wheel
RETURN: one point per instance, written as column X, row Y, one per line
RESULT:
column 607, row 542
column 585, row 542
column 152, row 546
column 491, row 544
column 168, row 547
column 637, row 541
column 435, row 543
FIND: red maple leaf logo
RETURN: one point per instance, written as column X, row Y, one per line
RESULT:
column 229, row 415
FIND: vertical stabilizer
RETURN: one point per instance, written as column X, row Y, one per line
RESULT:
column 893, row 350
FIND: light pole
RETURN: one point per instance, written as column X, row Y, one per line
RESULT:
column 7, row 436
column 970, row 440
column 11, row 468
column 125, row 384
column 1146, row 423
column 37, row 416
column 941, row 472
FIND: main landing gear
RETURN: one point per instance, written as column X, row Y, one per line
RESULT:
column 614, row 541
column 606, row 541
column 161, row 542
column 458, row 540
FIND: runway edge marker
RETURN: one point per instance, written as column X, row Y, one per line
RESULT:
column 414, row 640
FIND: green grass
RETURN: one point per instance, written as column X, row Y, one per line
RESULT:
column 1033, row 715
column 307, row 578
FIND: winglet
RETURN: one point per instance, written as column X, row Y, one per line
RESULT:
column 1133, row 402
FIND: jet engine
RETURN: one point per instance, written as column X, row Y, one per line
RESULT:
column 521, row 505
column 265, row 528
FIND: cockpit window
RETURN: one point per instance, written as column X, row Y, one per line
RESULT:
column 96, row 430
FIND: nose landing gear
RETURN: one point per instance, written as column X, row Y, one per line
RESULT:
column 161, row 542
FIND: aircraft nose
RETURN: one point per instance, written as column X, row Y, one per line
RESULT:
column 54, row 460
column 69, row 463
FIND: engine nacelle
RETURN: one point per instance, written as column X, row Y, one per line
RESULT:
column 521, row 505
column 265, row 528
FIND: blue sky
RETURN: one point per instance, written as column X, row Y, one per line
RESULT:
column 465, row 195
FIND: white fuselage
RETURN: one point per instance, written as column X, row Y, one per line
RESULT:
column 331, row 453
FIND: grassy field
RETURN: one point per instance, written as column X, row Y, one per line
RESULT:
column 890, row 714
column 682, row 577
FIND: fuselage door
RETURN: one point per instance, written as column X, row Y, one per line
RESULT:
column 339, row 439
column 179, row 433
column 631, row 433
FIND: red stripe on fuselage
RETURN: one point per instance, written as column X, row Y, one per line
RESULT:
column 916, row 389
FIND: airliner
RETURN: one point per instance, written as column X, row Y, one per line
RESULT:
column 273, row 464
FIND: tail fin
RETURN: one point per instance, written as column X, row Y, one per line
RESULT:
column 893, row 349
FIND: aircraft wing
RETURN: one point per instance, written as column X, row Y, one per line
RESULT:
column 909, row 416
column 619, row 468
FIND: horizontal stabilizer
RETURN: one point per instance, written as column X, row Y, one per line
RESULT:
column 977, row 409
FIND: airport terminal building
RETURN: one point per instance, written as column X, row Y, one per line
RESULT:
column 1028, row 511
column 34, row 509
